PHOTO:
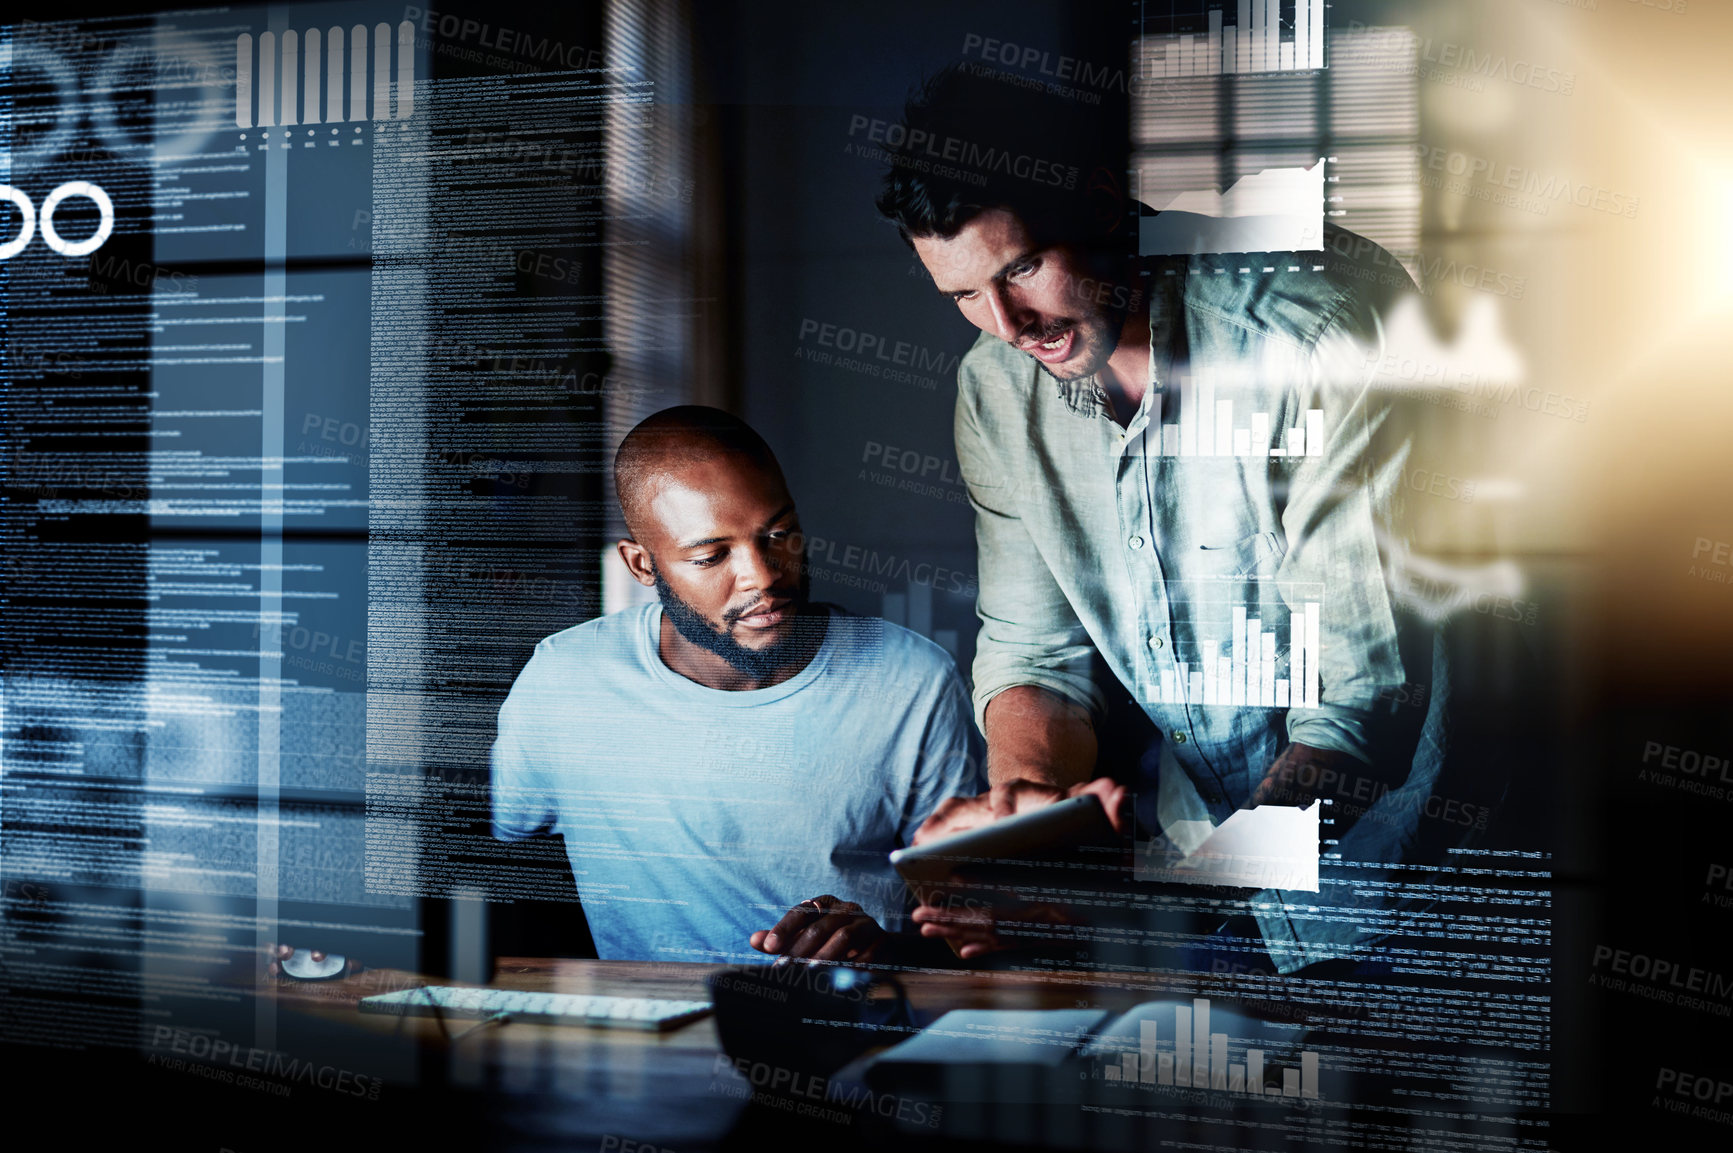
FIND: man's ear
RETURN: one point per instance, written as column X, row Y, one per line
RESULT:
column 638, row 562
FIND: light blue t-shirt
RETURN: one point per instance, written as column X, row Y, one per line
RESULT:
column 695, row 816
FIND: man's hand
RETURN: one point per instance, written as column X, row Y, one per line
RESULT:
column 959, row 814
column 1302, row 774
column 975, row 922
column 823, row 929
column 969, row 919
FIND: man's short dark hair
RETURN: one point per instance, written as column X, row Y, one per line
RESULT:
column 675, row 437
column 969, row 143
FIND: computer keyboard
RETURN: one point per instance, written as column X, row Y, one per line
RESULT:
column 643, row 1013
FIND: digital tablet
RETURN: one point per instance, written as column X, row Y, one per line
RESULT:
column 1049, row 834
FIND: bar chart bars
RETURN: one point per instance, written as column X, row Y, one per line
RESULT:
column 1148, row 1065
column 1207, row 426
column 1253, row 42
column 280, row 90
column 1200, row 1059
column 1243, row 669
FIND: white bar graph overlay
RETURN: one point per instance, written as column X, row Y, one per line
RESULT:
column 277, row 88
column 1199, row 1059
column 1252, row 42
column 1207, row 426
column 1242, row 670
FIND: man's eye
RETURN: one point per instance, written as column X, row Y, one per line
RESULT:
column 1025, row 268
column 706, row 561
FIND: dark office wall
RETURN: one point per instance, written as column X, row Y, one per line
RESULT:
column 806, row 249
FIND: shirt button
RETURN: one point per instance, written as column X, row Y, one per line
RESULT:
column 1179, row 738
column 1156, row 642
column 1135, row 542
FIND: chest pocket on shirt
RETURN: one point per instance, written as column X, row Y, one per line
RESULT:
column 1260, row 552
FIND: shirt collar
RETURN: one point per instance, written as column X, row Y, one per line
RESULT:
column 1086, row 397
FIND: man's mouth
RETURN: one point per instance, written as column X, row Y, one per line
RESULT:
column 1052, row 350
column 765, row 614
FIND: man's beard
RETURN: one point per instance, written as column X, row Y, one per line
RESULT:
column 804, row 636
column 1097, row 338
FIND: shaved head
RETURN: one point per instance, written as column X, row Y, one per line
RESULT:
column 674, row 439
column 715, row 533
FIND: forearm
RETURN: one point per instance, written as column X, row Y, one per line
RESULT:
column 1301, row 774
column 1037, row 735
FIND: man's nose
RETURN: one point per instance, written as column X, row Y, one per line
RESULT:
column 756, row 570
column 1008, row 314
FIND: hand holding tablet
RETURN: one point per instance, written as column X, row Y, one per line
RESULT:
column 971, row 857
column 1030, row 837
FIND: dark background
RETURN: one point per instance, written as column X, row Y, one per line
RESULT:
column 801, row 242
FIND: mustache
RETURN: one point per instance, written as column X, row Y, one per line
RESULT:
column 1049, row 331
column 796, row 597
column 729, row 616
column 792, row 599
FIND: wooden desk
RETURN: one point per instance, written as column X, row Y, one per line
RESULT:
column 524, row 1085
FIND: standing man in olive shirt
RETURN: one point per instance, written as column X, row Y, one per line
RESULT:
column 1233, row 583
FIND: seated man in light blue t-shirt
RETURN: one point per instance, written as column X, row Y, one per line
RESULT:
column 729, row 767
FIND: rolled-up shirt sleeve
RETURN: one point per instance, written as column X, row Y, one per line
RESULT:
column 1030, row 634
column 1339, row 514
